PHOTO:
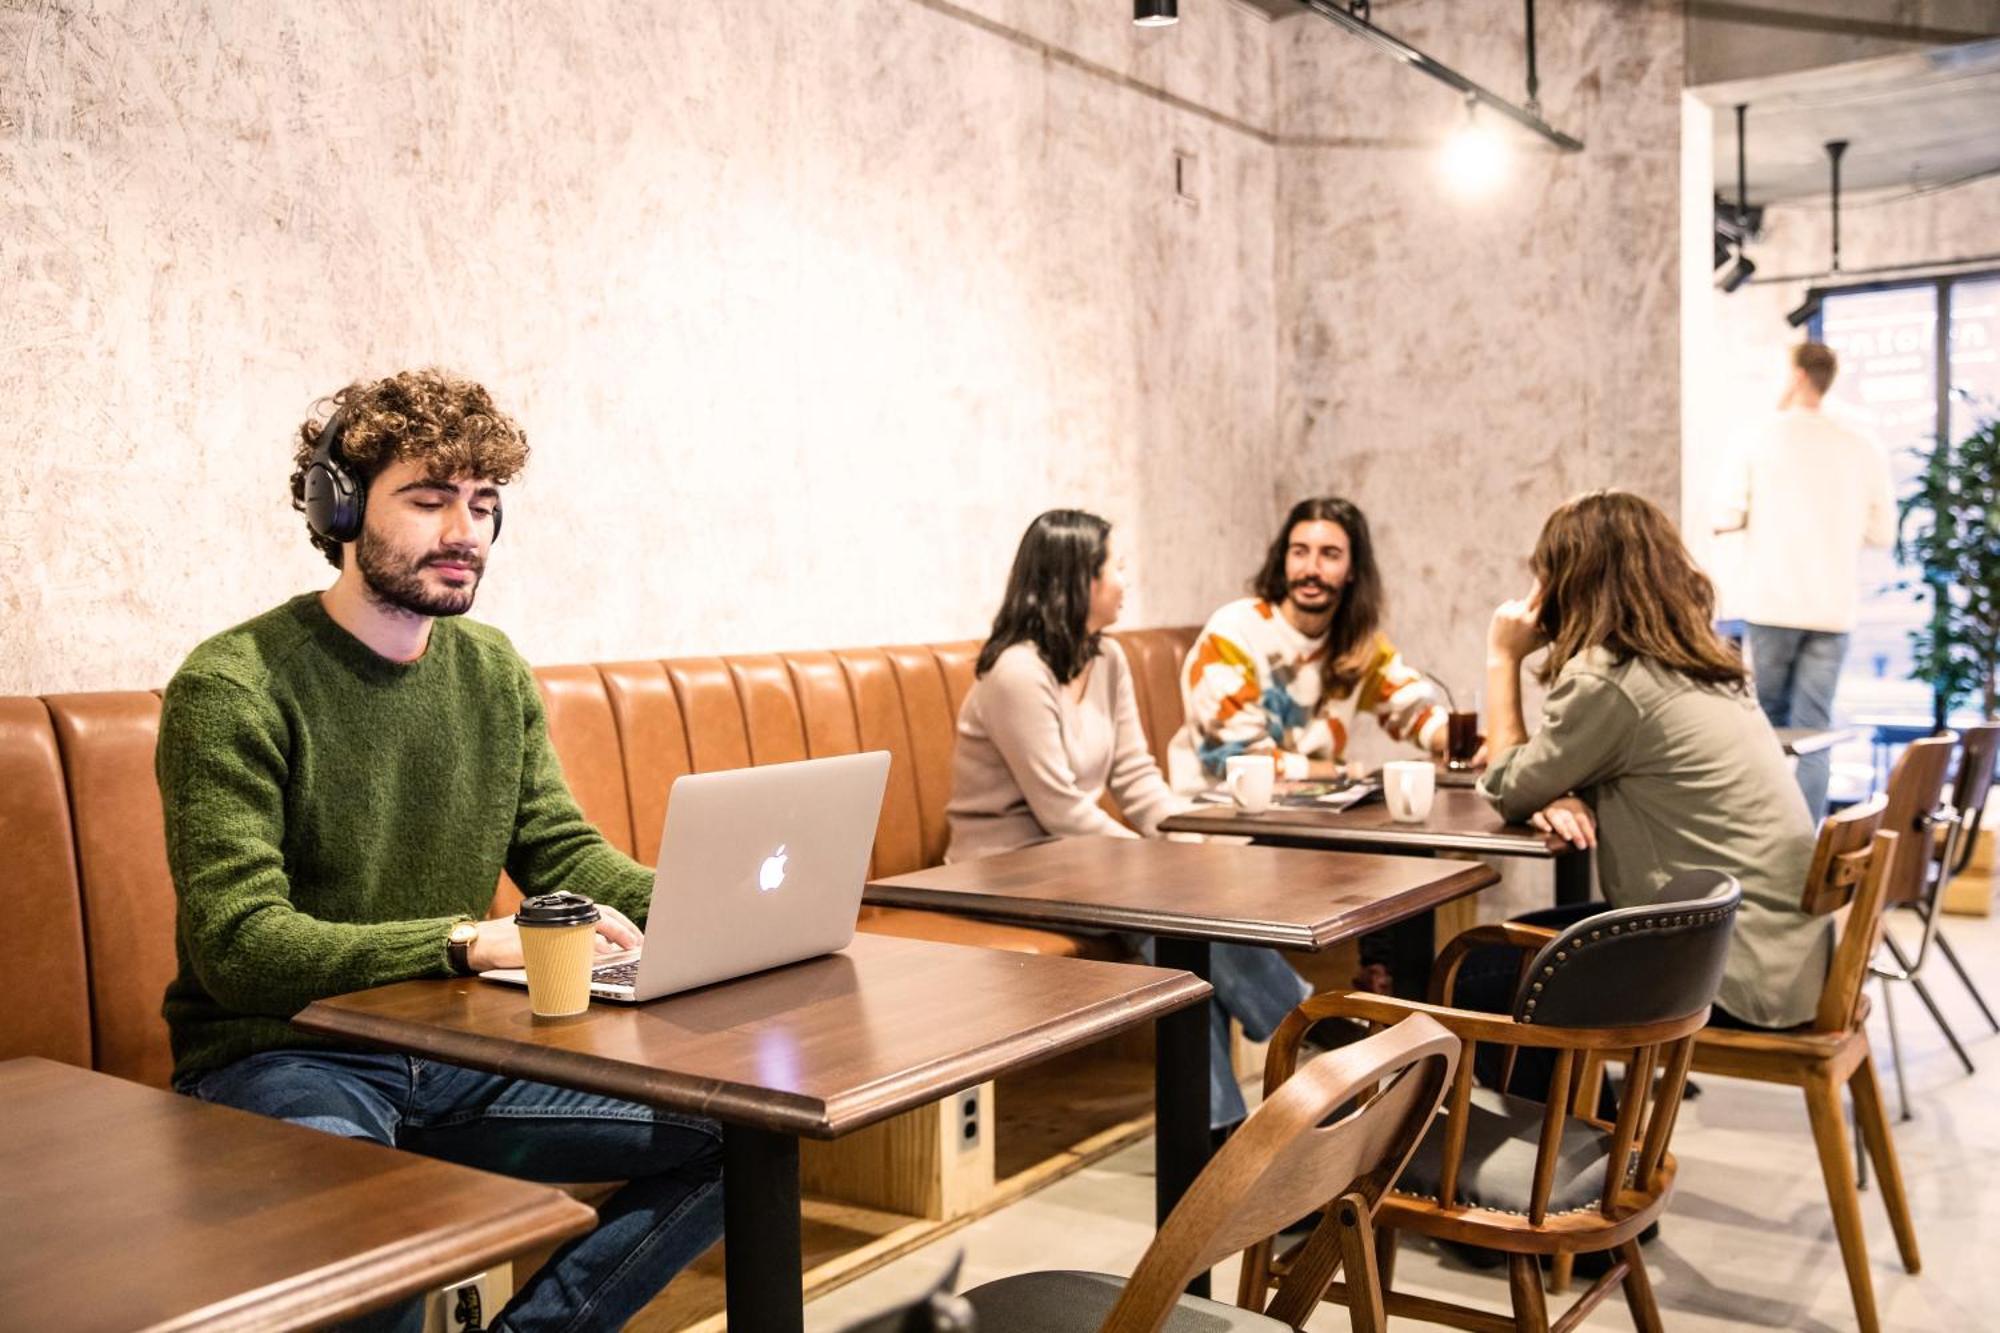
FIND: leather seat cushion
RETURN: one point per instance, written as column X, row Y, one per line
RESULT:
column 1070, row 1302
column 1498, row 1173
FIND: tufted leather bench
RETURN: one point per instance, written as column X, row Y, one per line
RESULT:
column 91, row 906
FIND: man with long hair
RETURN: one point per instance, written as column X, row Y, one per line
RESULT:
column 1286, row 672
column 344, row 779
column 1808, row 494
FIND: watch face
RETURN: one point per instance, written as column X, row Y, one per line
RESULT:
column 464, row 932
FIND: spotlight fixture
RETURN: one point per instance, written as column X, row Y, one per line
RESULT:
column 1475, row 156
column 1155, row 13
column 1738, row 274
column 1740, row 271
column 1806, row 310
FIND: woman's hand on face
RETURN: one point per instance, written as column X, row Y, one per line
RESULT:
column 1516, row 630
column 1569, row 819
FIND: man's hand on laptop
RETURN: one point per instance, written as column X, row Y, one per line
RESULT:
column 498, row 943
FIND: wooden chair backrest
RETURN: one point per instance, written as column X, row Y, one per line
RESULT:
column 1852, row 864
column 1840, row 857
column 1977, row 749
column 1916, row 788
column 1286, row 1160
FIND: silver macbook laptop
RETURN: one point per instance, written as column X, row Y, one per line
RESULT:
column 759, row 867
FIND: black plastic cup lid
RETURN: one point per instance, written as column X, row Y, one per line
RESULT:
column 557, row 909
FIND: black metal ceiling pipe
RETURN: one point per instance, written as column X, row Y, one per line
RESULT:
column 1443, row 73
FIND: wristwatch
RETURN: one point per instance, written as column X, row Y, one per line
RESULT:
column 458, row 947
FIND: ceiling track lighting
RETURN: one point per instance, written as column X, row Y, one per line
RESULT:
column 1355, row 19
column 1740, row 271
column 1808, row 308
column 1156, row 13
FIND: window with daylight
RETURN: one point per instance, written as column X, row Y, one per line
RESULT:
column 1904, row 386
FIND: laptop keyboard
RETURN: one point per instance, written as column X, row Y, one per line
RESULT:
column 616, row 974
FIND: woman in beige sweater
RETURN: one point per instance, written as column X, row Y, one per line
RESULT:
column 1051, row 728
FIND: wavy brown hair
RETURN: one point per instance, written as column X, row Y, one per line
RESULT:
column 431, row 416
column 1350, row 639
column 1616, row 575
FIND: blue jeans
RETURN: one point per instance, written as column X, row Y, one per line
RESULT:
column 1795, row 671
column 648, row 1231
column 1257, row 988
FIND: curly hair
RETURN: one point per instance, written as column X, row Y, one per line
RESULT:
column 1615, row 575
column 429, row 416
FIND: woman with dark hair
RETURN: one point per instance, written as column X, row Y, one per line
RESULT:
column 1052, row 722
column 1652, row 747
column 1288, row 671
column 1051, row 726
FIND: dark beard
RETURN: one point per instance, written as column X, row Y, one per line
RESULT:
column 398, row 583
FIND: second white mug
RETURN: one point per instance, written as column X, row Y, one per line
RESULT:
column 1250, row 778
column 1408, row 786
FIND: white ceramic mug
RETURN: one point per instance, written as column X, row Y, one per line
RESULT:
column 1408, row 786
column 1251, row 778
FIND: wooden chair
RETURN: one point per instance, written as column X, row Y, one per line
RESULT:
column 1533, row 1178
column 1852, row 866
column 1960, row 819
column 1284, row 1161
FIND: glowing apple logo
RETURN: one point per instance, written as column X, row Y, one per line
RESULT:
column 772, row 873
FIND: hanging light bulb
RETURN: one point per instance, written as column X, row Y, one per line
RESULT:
column 1155, row 13
column 1475, row 156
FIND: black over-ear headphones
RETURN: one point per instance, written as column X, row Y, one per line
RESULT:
column 335, row 498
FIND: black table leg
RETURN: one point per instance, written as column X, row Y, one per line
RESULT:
column 763, row 1276
column 1411, row 945
column 1181, row 1144
column 1573, row 878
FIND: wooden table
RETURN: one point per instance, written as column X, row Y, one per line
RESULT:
column 132, row 1208
column 813, row 1050
column 1461, row 820
column 1188, row 896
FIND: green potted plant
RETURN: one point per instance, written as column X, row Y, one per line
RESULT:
column 1950, row 532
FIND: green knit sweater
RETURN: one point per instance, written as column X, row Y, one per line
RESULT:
column 330, row 814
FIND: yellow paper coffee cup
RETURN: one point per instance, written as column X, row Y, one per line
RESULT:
column 558, row 934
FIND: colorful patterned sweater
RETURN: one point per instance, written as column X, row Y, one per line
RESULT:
column 1252, row 684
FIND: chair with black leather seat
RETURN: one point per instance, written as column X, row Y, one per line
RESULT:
column 1282, row 1162
column 1533, row 1178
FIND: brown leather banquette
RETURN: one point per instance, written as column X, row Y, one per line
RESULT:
column 86, row 935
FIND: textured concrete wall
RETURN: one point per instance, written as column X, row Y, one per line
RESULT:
column 1459, row 367
column 806, row 309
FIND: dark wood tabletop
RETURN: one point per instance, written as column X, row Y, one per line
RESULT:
column 132, row 1208
column 1461, row 820
column 816, row 1049
column 1207, row 891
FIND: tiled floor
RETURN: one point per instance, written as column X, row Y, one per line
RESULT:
column 1748, row 1240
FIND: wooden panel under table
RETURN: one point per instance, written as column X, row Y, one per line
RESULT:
column 1460, row 820
column 817, row 1049
column 1202, row 891
column 132, row 1208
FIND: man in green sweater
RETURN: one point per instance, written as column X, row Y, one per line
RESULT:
column 344, row 779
